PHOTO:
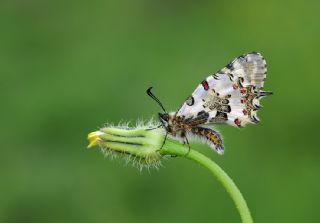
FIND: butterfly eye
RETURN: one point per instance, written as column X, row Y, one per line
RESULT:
column 164, row 116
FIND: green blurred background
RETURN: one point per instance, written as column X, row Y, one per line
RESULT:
column 69, row 67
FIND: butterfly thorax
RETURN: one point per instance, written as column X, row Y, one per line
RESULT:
column 175, row 125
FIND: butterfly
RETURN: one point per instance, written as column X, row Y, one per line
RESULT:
column 230, row 96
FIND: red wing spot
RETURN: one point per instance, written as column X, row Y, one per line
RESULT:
column 245, row 112
column 244, row 101
column 237, row 122
column 243, row 91
column 205, row 85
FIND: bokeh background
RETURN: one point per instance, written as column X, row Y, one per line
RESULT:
column 69, row 67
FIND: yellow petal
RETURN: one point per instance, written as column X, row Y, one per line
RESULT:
column 94, row 138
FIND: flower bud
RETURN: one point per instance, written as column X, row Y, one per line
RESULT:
column 140, row 145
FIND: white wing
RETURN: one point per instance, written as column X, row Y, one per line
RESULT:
column 232, row 95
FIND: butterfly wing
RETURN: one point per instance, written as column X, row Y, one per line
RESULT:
column 232, row 95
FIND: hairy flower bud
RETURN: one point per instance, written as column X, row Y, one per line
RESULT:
column 140, row 144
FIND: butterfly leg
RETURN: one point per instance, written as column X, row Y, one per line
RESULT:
column 187, row 141
column 159, row 126
column 164, row 141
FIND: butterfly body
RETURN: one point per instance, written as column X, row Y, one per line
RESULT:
column 230, row 96
column 180, row 127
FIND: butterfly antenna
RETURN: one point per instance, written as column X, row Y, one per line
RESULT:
column 155, row 98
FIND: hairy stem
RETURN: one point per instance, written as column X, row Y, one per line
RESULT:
column 175, row 148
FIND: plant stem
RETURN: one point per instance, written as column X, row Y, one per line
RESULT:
column 175, row 148
column 145, row 145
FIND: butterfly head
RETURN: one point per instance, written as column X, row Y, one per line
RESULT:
column 164, row 119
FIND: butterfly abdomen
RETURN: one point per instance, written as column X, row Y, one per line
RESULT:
column 212, row 137
column 179, row 127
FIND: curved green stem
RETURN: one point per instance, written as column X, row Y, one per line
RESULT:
column 174, row 148
column 144, row 145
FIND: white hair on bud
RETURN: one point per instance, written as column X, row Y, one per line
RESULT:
column 136, row 161
column 140, row 123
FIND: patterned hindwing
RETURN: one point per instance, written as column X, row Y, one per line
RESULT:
column 232, row 95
